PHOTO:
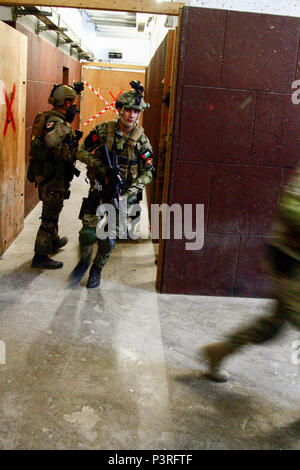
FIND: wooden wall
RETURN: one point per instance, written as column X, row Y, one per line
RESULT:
column 46, row 66
column 154, row 94
column 13, row 64
column 104, row 81
column 236, row 140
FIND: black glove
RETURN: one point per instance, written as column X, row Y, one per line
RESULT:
column 114, row 175
column 78, row 135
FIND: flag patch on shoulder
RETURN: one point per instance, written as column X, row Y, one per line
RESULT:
column 50, row 124
column 146, row 154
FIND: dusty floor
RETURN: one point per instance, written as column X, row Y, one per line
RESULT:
column 116, row 367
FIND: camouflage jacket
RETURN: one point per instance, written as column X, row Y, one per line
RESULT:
column 285, row 233
column 53, row 146
column 133, row 155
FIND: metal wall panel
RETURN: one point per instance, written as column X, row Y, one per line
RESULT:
column 235, row 142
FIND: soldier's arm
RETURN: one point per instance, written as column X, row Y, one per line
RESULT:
column 56, row 131
column 84, row 155
column 289, row 205
column 145, row 165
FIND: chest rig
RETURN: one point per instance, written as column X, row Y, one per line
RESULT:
column 124, row 149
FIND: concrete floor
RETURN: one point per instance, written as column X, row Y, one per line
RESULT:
column 116, row 367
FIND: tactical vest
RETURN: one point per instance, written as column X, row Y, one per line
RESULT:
column 41, row 166
column 127, row 159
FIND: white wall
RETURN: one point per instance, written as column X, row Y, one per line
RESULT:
column 158, row 34
column 135, row 51
column 275, row 7
column 72, row 17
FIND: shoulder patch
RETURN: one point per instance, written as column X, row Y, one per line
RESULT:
column 146, row 155
column 50, row 124
column 95, row 137
column 149, row 162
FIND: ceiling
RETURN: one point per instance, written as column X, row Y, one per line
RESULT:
column 120, row 24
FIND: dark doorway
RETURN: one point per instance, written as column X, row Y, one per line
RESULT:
column 65, row 79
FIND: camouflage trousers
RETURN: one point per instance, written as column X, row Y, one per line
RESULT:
column 52, row 204
column 287, row 293
column 88, row 236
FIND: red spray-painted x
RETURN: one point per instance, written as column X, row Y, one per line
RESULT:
column 9, row 114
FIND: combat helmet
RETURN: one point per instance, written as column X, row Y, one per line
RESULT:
column 61, row 93
column 133, row 98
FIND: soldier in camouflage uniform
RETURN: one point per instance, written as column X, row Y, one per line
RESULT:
column 130, row 148
column 282, row 264
column 53, row 149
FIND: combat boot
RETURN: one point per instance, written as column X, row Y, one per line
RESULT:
column 44, row 262
column 59, row 243
column 94, row 277
column 214, row 354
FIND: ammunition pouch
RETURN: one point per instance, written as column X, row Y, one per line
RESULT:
column 38, row 149
column 34, row 169
column 40, row 172
column 89, row 204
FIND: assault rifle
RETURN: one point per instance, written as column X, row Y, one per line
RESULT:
column 113, row 180
column 70, row 168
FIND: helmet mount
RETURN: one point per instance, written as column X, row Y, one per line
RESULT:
column 133, row 98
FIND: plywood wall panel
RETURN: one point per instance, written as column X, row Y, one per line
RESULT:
column 250, row 278
column 156, row 72
column 13, row 60
column 203, row 61
column 211, row 269
column 225, row 132
column 260, row 51
column 251, row 146
column 276, row 131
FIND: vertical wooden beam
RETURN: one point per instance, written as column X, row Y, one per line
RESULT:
column 13, row 58
column 165, row 115
column 167, row 172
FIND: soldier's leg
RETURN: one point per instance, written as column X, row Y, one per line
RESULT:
column 260, row 331
column 52, row 204
column 87, row 237
column 105, row 247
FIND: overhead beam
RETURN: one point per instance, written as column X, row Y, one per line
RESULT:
column 138, row 6
column 111, row 65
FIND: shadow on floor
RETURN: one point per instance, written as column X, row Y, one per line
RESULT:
column 236, row 419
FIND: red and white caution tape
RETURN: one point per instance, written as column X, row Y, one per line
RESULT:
column 97, row 115
column 101, row 97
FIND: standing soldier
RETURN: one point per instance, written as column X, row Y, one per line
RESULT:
column 130, row 155
column 283, row 266
column 51, row 168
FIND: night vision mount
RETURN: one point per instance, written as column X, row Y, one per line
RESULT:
column 138, row 87
column 78, row 87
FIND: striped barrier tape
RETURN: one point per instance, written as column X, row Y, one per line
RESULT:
column 101, row 97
